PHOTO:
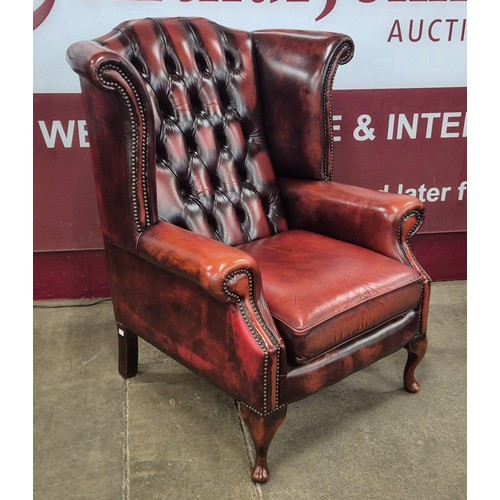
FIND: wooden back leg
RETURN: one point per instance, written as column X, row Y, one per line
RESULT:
column 127, row 352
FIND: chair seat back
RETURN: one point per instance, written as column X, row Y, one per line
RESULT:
column 213, row 172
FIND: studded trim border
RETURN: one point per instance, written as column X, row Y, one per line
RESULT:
column 328, row 105
column 418, row 336
column 138, row 164
column 420, row 220
column 258, row 338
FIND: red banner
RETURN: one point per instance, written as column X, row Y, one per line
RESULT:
column 64, row 203
column 410, row 141
column 399, row 140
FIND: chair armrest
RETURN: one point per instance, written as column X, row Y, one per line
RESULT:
column 245, row 332
column 223, row 271
column 380, row 221
column 200, row 302
column 296, row 71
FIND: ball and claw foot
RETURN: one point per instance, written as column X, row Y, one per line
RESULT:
column 412, row 387
column 260, row 471
column 262, row 429
column 416, row 351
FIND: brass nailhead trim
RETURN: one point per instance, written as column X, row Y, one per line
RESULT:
column 256, row 336
column 135, row 141
column 328, row 111
column 420, row 220
column 260, row 413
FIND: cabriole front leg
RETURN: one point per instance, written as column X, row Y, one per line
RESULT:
column 262, row 429
column 127, row 352
column 416, row 350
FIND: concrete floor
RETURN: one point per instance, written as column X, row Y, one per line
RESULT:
column 167, row 434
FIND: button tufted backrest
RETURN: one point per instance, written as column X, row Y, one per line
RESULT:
column 213, row 172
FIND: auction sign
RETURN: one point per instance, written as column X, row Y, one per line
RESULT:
column 399, row 105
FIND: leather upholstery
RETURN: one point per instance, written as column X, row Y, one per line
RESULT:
column 299, row 67
column 198, row 110
column 213, row 172
column 210, row 337
column 360, row 352
column 330, row 291
column 373, row 219
column 269, row 287
column 382, row 222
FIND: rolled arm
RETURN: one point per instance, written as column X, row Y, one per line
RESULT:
column 87, row 57
column 90, row 59
column 229, row 337
column 223, row 271
column 380, row 221
column 229, row 275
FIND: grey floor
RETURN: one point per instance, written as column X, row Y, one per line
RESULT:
column 167, row 434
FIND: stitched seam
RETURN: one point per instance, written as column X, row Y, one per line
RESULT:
column 135, row 159
column 302, row 330
column 304, row 360
column 255, row 334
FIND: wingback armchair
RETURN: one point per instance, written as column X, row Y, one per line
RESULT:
column 228, row 245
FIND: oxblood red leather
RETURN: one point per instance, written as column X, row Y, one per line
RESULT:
column 269, row 287
column 330, row 291
column 296, row 72
column 208, row 263
column 373, row 219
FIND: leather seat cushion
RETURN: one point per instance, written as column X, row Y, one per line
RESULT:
column 323, row 292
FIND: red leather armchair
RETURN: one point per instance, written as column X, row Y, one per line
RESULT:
column 229, row 247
